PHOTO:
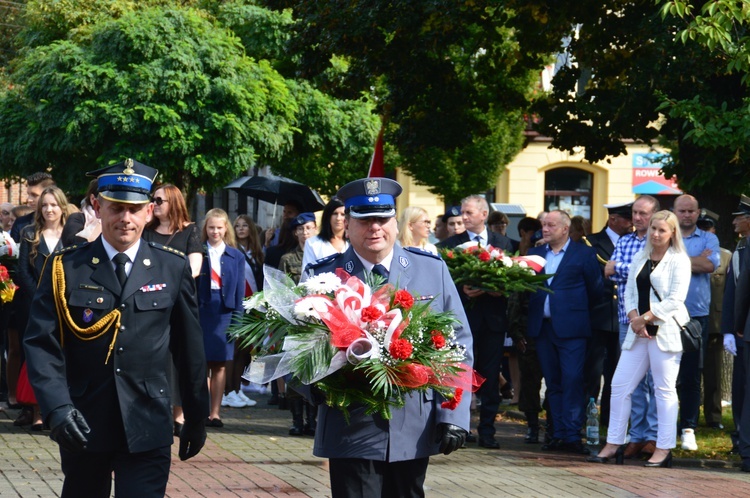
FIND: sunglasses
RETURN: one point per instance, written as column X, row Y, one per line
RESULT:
column 159, row 201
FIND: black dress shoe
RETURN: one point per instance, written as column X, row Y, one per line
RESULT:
column 576, row 447
column 716, row 425
column 532, row 436
column 552, row 445
column 489, row 442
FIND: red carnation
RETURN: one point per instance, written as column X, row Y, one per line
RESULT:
column 437, row 339
column 404, row 299
column 371, row 313
column 484, row 256
column 452, row 403
column 400, row 349
column 450, row 255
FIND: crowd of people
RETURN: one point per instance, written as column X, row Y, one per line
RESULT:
column 609, row 330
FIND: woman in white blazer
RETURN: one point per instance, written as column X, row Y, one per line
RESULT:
column 653, row 339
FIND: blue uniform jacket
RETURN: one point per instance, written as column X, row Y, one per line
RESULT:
column 410, row 433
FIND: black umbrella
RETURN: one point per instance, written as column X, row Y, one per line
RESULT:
column 278, row 191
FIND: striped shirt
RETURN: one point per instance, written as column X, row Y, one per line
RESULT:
column 627, row 247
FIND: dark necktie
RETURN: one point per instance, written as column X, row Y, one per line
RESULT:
column 121, row 259
column 478, row 240
column 380, row 270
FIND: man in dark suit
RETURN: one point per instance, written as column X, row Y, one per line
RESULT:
column 487, row 314
column 106, row 316
column 368, row 455
column 561, row 323
column 604, row 346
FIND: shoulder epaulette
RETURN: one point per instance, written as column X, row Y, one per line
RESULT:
column 166, row 248
column 71, row 248
column 421, row 252
column 325, row 260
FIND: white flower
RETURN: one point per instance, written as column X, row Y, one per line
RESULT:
column 322, row 283
column 255, row 302
column 496, row 254
column 507, row 261
column 523, row 264
column 311, row 307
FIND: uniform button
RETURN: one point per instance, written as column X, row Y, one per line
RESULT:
column 154, row 304
column 120, row 350
column 161, row 391
column 122, row 306
column 89, row 301
column 614, row 297
column 118, row 371
column 122, row 328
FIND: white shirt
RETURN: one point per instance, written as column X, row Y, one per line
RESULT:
column 214, row 257
column 483, row 236
column 368, row 266
column 130, row 253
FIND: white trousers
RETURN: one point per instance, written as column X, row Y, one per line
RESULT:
column 631, row 369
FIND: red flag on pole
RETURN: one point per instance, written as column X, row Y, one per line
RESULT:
column 377, row 169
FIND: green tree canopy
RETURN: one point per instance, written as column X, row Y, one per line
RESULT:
column 450, row 78
column 176, row 88
column 641, row 80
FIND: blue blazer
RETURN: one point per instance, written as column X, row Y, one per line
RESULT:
column 576, row 289
column 232, row 279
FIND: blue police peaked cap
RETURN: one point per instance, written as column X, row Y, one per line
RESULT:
column 370, row 197
column 129, row 182
column 301, row 219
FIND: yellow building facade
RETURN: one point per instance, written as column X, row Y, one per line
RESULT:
column 542, row 178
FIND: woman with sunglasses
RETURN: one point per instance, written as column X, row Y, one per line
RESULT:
column 414, row 229
column 171, row 226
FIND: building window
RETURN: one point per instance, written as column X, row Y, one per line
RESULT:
column 568, row 189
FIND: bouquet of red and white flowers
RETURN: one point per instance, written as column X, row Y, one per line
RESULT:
column 490, row 269
column 358, row 342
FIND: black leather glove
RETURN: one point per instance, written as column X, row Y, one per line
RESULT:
column 451, row 437
column 192, row 439
column 68, row 428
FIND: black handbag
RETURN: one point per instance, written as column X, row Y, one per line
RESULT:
column 691, row 333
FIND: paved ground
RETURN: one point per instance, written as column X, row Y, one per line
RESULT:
column 252, row 456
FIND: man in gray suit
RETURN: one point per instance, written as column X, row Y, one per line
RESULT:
column 371, row 456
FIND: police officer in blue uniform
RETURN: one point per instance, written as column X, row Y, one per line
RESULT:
column 371, row 456
column 105, row 317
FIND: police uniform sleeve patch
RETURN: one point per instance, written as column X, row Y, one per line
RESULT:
column 415, row 250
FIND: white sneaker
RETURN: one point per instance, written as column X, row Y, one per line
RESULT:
column 687, row 440
column 231, row 400
column 241, row 396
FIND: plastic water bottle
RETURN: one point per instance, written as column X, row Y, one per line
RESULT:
column 592, row 423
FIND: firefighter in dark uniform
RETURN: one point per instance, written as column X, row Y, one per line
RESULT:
column 106, row 316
